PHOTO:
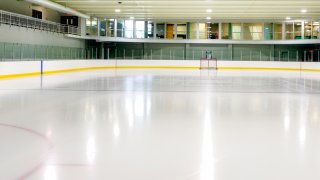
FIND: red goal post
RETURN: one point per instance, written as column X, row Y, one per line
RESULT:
column 211, row 63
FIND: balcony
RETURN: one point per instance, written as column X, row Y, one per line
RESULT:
column 14, row 19
column 264, row 32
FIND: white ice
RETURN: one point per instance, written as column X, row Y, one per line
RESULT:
column 161, row 125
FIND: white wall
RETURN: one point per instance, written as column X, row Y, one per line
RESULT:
column 61, row 65
column 11, row 68
column 14, row 34
column 310, row 65
column 7, row 68
column 162, row 63
column 74, row 64
column 259, row 64
column 25, row 8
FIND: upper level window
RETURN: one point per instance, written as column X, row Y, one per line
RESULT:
column 92, row 26
column 150, row 29
column 213, row 30
column 277, row 31
column 252, row 31
column 140, row 29
column 311, row 30
column 181, row 31
column 36, row 14
column 128, row 26
column 289, row 30
column 160, row 30
column 236, row 31
column 193, row 30
column 268, row 31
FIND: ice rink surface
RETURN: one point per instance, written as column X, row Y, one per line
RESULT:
column 161, row 125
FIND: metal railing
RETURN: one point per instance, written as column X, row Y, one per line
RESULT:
column 289, row 55
column 25, row 52
column 31, row 52
column 34, row 23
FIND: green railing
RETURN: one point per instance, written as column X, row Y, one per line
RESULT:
column 25, row 52
column 237, row 54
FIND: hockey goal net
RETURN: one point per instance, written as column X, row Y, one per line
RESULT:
column 211, row 63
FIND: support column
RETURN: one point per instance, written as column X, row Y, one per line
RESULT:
column 134, row 29
column 83, row 26
column 154, row 30
column 175, row 29
column 198, row 32
column 272, row 52
column 146, row 29
column 102, row 51
column 242, row 32
column 283, row 31
column 230, row 31
column 98, row 27
column 186, row 50
column 220, row 30
column 188, row 30
column 165, row 30
column 143, row 50
column 115, row 28
column 263, row 31
column 230, row 50
column 302, row 29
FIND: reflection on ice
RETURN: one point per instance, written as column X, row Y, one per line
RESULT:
column 207, row 164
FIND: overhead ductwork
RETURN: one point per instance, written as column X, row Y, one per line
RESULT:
column 58, row 7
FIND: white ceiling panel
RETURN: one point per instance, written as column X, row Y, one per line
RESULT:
column 197, row 9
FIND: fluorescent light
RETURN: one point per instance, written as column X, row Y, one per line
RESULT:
column 117, row 10
column 208, row 18
column 288, row 18
column 131, row 17
column 304, row 10
column 209, row 10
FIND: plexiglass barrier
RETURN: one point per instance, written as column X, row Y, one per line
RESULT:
column 22, row 52
column 220, row 54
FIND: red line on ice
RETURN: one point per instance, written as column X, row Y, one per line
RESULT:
column 39, row 135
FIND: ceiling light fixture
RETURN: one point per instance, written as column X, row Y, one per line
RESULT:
column 131, row 17
column 117, row 10
column 304, row 11
column 288, row 18
column 209, row 10
column 208, row 18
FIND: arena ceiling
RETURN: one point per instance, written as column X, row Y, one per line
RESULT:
column 198, row 9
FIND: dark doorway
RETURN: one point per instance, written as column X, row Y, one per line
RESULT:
column 36, row 14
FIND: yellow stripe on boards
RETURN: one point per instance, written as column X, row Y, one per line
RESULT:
column 10, row 76
column 310, row 70
column 157, row 67
column 78, row 69
column 258, row 68
column 119, row 67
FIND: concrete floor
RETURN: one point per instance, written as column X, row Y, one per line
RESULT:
column 161, row 125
